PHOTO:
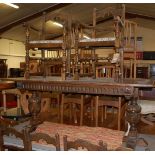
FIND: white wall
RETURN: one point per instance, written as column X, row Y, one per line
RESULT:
column 13, row 51
column 148, row 38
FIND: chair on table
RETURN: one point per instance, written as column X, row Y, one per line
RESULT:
column 108, row 101
column 36, row 137
column 17, row 135
column 84, row 144
column 129, row 70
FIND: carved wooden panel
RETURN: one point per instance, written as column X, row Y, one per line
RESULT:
column 73, row 87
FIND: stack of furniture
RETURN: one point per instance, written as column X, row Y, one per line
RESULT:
column 72, row 82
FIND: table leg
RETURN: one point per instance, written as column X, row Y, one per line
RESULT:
column 133, row 117
column 34, row 108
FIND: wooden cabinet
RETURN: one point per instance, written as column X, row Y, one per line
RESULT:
column 3, row 68
column 142, row 72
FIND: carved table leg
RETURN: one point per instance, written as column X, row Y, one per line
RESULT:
column 34, row 108
column 133, row 117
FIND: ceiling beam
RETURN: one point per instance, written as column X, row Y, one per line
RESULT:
column 135, row 15
column 33, row 16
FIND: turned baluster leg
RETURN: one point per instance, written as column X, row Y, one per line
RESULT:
column 133, row 117
column 34, row 107
column 27, row 59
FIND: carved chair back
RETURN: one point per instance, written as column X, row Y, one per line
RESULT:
column 18, row 135
column 36, row 137
column 107, row 71
column 78, row 143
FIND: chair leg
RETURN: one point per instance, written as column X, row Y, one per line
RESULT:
column 105, row 112
column 4, row 102
column 96, row 110
column 92, row 109
column 81, row 110
column 70, row 111
column 58, row 103
column 75, row 113
column 119, row 113
column 62, row 108
column 123, row 107
column 119, row 119
column 102, row 109
column 18, row 105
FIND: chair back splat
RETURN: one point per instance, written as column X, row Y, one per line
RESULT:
column 55, row 141
column 84, row 144
column 19, row 135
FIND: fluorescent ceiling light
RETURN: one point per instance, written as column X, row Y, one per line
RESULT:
column 10, row 4
column 58, row 24
column 85, row 36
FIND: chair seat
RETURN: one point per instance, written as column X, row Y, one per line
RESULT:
column 147, row 106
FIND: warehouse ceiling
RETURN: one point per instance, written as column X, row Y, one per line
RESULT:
column 11, row 23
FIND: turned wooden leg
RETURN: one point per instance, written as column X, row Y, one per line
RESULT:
column 34, row 107
column 133, row 117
